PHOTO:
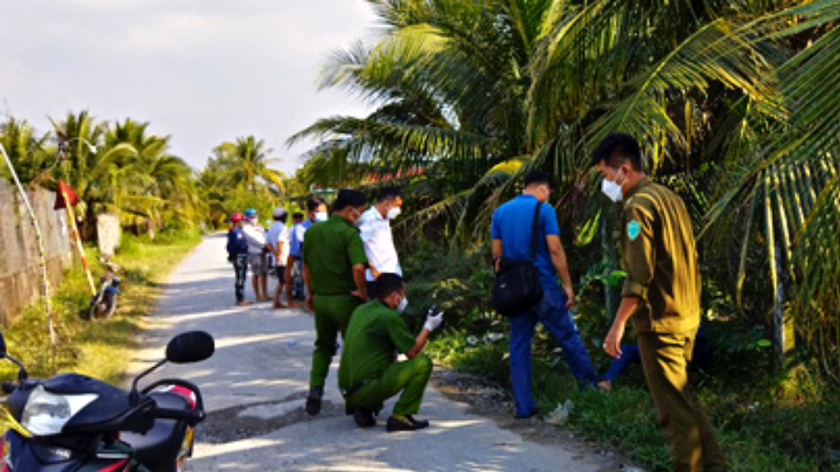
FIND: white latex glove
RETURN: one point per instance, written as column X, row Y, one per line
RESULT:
column 433, row 320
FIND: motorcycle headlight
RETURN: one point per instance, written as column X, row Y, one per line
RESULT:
column 45, row 413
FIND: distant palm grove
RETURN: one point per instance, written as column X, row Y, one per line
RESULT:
column 736, row 103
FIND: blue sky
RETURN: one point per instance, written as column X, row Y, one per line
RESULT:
column 202, row 71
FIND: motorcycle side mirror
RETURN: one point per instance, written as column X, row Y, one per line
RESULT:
column 186, row 348
column 190, row 347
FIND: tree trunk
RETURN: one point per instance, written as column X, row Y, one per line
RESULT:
column 783, row 327
column 612, row 295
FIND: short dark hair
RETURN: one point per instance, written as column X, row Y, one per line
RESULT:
column 314, row 202
column 348, row 197
column 537, row 177
column 389, row 193
column 388, row 284
column 616, row 148
column 283, row 218
column 297, row 215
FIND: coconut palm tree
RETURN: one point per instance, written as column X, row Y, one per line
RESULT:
column 734, row 102
column 28, row 154
column 246, row 165
column 149, row 185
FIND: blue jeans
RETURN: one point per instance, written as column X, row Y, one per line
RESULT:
column 629, row 355
column 552, row 313
column 240, row 267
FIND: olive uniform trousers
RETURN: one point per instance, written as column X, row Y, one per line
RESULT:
column 332, row 315
column 665, row 358
column 410, row 377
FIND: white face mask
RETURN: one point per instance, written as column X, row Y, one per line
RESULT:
column 612, row 190
column 394, row 212
column 321, row 216
column 403, row 305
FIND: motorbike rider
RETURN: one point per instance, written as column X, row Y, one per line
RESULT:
column 237, row 248
column 368, row 374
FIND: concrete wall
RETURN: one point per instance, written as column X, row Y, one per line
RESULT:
column 108, row 234
column 20, row 276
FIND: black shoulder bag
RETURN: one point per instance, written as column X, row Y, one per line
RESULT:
column 517, row 284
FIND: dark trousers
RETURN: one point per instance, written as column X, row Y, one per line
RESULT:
column 240, row 267
column 629, row 355
column 552, row 313
column 665, row 358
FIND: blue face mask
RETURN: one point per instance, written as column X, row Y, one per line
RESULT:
column 321, row 216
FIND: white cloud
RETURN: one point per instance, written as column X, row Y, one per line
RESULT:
column 202, row 71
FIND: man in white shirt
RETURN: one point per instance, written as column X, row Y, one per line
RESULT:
column 375, row 228
column 257, row 254
column 278, row 240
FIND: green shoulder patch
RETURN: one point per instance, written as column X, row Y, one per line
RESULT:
column 633, row 230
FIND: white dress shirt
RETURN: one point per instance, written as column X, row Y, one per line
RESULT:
column 379, row 243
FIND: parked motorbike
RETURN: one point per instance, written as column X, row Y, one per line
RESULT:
column 74, row 423
column 104, row 303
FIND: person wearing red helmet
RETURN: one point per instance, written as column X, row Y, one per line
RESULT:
column 237, row 248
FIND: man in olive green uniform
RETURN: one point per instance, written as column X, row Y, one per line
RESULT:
column 369, row 373
column 662, row 294
column 334, row 265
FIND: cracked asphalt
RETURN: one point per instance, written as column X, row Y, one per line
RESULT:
column 255, row 385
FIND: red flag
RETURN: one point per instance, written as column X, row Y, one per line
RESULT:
column 64, row 189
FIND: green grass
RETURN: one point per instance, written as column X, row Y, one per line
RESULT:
column 789, row 424
column 99, row 348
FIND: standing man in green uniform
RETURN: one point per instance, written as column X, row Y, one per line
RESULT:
column 334, row 266
column 369, row 373
column 662, row 294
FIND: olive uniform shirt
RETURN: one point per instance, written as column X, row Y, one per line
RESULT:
column 660, row 258
column 332, row 249
column 375, row 335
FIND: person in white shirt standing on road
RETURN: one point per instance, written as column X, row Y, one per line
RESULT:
column 375, row 228
column 257, row 253
column 278, row 239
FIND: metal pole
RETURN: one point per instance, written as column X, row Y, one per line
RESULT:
column 42, row 253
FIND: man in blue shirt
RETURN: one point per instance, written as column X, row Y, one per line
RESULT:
column 316, row 208
column 237, row 248
column 511, row 233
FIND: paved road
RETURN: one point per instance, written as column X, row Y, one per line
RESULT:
column 256, row 383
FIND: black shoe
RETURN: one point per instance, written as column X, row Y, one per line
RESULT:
column 408, row 423
column 313, row 401
column 364, row 418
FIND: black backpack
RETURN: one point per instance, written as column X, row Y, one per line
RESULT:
column 517, row 284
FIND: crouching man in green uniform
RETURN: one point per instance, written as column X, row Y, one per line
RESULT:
column 369, row 374
column 334, row 264
column 662, row 294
